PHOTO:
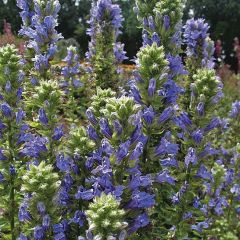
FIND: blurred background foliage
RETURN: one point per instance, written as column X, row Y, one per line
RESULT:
column 222, row 15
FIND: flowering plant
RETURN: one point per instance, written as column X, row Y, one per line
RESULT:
column 153, row 157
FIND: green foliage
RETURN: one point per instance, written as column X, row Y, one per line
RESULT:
column 103, row 62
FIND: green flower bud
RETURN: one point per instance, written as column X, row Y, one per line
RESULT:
column 152, row 62
column 105, row 217
column 43, row 184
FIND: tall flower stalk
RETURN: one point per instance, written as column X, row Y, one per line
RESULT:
column 43, row 99
column 11, row 126
column 39, row 20
column 105, row 53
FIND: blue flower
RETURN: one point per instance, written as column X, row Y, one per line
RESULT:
column 151, row 87
column 195, row 34
column 120, row 54
column 12, row 170
column 79, row 218
column 23, row 213
column 34, row 145
column 200, row 226
column 141, row 200
column 164, row 177
column 122, row 151
column 8, row 87
column 140, row 181
column 140, row 221
column 2, row 125
column 215, row 122
column 6, row 110
column 19, row 116
column 60, row 236
column 67, row 181
column 60, row 227
column 203, row 173
column 191, row 157
column 84, row 194
column 46, row 221
column 91, row 117
column 92, row 133
column 22, row 237
column 1, row 177
column 197, row 136
column 63, row 196
column 105, row 129
column 172, row 90
column 118, row 127
column 166, row 114
column 39, row 233
column 176, row 65
column 41, row 208
column 137, row 152
column 235, row 111
column 156, row 39
column 200, row 109
column 2, row 156
column 183, row 121
column 151, row 23
column 135, row 94
column 19, row 93
column 41, row 63
column 58, row 133
column 137, row 134
column 39, row 28
column 169, row 162
column 165, row 147
column 63, row 163
column 107, row 147
column 42, row 116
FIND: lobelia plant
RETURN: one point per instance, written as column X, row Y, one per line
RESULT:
column 227, row 225
column 43, row 138
column 155, row 88
column 200, row 50
column 39, row 23
column 105, row 54
column 153, row 162
column 72, row 85
column 113, row 147
column 39, row 20
column 39, row 209
column 11, row 126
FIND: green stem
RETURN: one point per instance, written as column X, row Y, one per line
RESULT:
column 12, row 188
column 12, row 205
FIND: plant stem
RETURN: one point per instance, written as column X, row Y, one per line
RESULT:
column 12, row 205
column 12, row 188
